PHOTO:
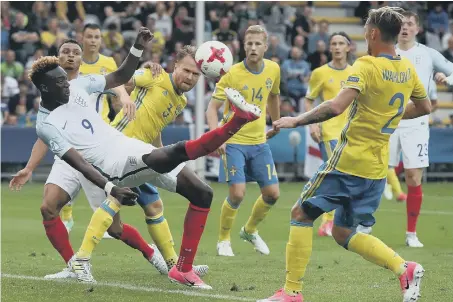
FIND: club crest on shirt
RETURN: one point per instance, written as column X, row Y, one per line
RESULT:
column 80, row 101
column 268, row 83
column 54, row 146
column 418, row 59
column 132, row 160
column 103, row 70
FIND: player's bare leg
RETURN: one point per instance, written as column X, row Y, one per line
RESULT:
column 54, row 199
column 262, row 206
column 413, row 205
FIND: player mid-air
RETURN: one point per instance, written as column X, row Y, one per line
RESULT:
column 325, row 83
column 247, row 156
column 74, row 124
column 382, row 89
column 411, row 138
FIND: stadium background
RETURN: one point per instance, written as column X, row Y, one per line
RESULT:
column 334, row 274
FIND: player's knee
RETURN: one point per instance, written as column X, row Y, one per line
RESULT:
column 206, row 195
column 413, row 177
column 236, row 195
column 341, row 235
column 271, row 197
column 115, row 230
column 298, row 214
column 49, row 210
column 154, row 208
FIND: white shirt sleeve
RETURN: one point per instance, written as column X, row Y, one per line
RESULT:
column 432, row 91
column 92, row 83
column 53, row 138
column 440, row 63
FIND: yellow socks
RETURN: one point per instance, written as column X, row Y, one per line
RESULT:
column 393, row 180
column 66, row 212
column 259, row 212
column 377, row 252
column 326, row 217
column 298, row 252
column 160, row 233
column 227, row 216
column 100, row 221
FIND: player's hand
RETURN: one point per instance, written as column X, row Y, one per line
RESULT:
column 20, row 179
column 272, row 132
column 156, row 69
column 125, row 196
column 315, row 132
column 222, row 150
column 440, row 78
column 144, row 36
column 129, row 110
column 285, row 122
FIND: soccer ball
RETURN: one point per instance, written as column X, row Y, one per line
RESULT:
column 214, row 59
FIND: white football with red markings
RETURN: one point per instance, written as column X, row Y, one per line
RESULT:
column 214, row 59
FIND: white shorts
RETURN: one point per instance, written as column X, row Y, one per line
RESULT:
column 413, row 143
column 124, row 167
column 64, row 176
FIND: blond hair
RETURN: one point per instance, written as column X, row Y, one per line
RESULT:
column 257, row 29
column 388, row 20
column 186, row 50
column 41, row 66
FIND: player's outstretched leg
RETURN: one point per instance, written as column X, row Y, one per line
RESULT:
column 377, row 252
column 413, row 205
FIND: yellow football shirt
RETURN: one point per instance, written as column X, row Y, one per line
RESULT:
column 325, row 83
column 385, row 85
column 103, row 65
column 255, row 88
column 157, row 102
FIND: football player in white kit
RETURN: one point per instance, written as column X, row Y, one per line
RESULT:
column 74, row 124
column 412, row 136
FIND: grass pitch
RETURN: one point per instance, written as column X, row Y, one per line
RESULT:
column 333, row 274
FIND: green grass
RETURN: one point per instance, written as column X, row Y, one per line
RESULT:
column 333, row 274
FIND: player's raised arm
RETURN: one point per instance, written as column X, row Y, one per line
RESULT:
column 442, row 66
column 123, row 74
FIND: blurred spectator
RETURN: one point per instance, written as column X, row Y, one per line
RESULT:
column 448, row 53
column 438, row 20
column 451, row 121
column 164, row 24
column 181, row 15
column 23, row 37
column 21, row 115
column 11, row 120
column 113, row 39
column 447, row 36
column 302, row 24
column 40, row 14
column 299, row 42
column 296, row 73
column 213, row 19
column 158, row 43
column 49, row 36
column 322, row 34
column 68, row 11
column 276, row 49
column 224, row 34
column 352, row 53
column 10, row 88
column 286, row 108
column 12, row 68
column 320, row 56
column 185, row 34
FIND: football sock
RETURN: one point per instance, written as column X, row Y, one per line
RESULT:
column 259, row 212
column 100, row 221
column 227, row 216
column 413, row 205
column 59, row 237
column 66, row 212
column 376, row 251
column 193, row 229
column 298, row 252
column 132, row 238
column 328, row 216
column 399, row 169
column 392, row 179
column 160, row 233
column 212, row 140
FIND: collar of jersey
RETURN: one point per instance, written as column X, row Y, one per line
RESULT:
column 388, row 56
column 334, row 68
column 91, row 63
column 251, row 71
column 173, row 84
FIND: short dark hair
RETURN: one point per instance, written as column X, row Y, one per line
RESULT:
column 91, row 26
column 69, row 41
column 409, row 14
column 340, row 33
column 388, row 20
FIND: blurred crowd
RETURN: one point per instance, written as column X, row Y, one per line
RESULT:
column 298, row 43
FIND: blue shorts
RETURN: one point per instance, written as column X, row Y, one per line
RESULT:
column 147, row 194
column 247, row 163
column 354, row 198
column 327, row 148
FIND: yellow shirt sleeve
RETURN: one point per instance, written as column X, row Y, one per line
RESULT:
column 419, row 92
column 314, row 85
column 219, row 92
column 276, row 87
column 143, row 78
column 360, row 74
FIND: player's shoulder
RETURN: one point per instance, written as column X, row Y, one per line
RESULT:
column 321, row 70
column 107, row 61
column 271, row 64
